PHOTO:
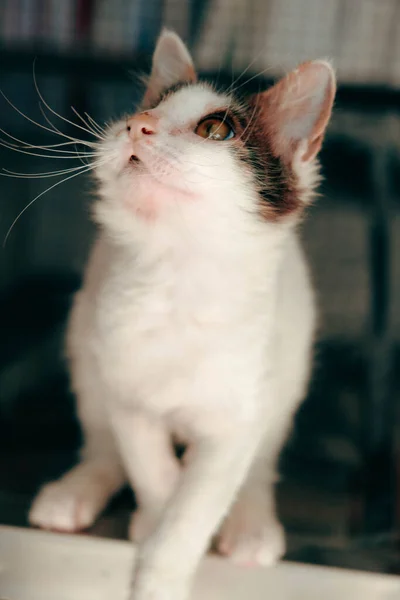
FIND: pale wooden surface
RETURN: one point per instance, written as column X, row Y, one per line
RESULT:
column 36, row 565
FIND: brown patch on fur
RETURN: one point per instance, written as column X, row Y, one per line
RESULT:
column 276, row 182
column 294, row 111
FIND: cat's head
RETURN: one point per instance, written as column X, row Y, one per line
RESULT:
column 192, row 149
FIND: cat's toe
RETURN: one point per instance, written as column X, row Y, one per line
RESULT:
column 251, row 543
column 62, row 508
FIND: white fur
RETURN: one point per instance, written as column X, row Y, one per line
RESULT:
column 195, row 322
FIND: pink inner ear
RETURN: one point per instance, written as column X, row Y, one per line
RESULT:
column 190, row 74
column 172, row 64
column 298, row 108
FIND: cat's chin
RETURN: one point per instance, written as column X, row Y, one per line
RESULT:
column 149, row 197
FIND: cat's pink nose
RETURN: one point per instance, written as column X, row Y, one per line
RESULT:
column 142, row 124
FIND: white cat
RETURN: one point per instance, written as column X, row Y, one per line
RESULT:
column 196, row 318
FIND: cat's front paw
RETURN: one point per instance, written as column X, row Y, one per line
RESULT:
column 61, row 506
column 152, row 588
column 251, row 537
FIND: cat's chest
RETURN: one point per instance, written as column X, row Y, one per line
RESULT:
column 179, row 337
column 157, row 330
column 169, row 303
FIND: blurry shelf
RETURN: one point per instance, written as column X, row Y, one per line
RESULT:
column 76, row 64
column 86, row 65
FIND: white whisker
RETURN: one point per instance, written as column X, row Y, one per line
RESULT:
column 25, row 151
column 252, row 78
column 8, row 173
column 89, row 127
column 232, row 88
column 100, row 129
column 25, row 146
column 48, row 121
column 64, row 135
column 53, row 111
column 46, row 146
column 77, row 154
column 83, row 170
column 82, row 156
column 251, row 121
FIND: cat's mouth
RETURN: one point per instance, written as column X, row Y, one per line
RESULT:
column 155, row 166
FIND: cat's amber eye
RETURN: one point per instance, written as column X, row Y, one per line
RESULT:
column 214, row 128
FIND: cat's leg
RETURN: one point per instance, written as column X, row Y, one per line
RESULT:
column 251, row 533
column 75, row 500
column 151, row 465
column 207, row 486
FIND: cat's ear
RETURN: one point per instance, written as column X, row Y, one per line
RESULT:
column 171, row 64
column 297, row 109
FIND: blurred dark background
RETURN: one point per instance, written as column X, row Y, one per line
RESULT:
column 339, row 494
